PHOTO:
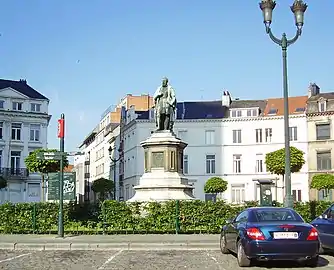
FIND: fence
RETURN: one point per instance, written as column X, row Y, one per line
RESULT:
column 111, row 217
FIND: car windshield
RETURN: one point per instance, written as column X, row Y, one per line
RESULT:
column 267, row 215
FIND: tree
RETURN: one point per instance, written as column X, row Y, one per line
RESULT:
column 215, row 185
column 323, row 182
column 41, row 166
column 102, row 187
column 275, row 161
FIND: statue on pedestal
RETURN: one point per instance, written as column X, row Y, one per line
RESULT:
column 164, row 106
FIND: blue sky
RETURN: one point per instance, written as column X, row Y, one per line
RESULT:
column 86, row 55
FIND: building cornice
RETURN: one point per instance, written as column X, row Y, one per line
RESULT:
column 235, row 119
column 25, row 114
column 312, row 114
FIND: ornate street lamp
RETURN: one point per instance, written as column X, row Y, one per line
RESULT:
column 298, row 8
column 114, row 160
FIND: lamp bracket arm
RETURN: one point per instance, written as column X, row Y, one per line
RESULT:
column 295, row 38
column 272, row 37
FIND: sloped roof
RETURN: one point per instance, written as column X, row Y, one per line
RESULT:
column 294, row 104
column 22, row 87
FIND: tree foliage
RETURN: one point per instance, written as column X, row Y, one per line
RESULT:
column 322, row 181
column 102, row 187
column 215, row 185
column 34, row 164
column 275, row 161
column 3, row 182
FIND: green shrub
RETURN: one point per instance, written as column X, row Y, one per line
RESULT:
column 113, row 217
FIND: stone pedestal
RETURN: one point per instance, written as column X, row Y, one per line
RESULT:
column 163, row 179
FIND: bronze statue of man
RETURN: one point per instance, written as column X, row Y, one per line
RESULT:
column 164, row 106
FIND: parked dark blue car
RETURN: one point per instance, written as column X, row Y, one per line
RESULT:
column 325, row 226
column 270, row 233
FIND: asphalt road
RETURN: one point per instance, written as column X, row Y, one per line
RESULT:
column 133, row 260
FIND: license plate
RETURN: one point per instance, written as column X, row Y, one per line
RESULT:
column 285, row 235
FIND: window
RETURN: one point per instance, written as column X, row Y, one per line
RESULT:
column 16, row 131
column 258, row 134
column 100, row 169
column 297, row 195
column 272, row 111
column 182, row 134
column 2, row 103
column 322, row 106
column 185, row 164
column 237, row 163
column 127, row 192
column 293, row 133
column 17, row 106
column 269, row 134
column 15, row 159
column 323, row 131
column 277, row 214
column 1, row 130
column 238, row 195
column 252, row 112
column 210, row 164
column 209, row 137
column 259, row 163
column 325, row 195
column 237, row 113
column 0, row 158
column 35, row 107
column 324, row 161
column 35, row 132
column 237, row 136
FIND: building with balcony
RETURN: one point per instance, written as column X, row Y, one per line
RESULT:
column 320, row 116
column 24, row 121
column 99, row 148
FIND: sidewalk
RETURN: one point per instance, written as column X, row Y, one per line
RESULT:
column 110, row 242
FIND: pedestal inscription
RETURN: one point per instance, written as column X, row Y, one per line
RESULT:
column 158, row 160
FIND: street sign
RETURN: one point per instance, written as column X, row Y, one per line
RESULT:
column 50, row 155
column 69, row 186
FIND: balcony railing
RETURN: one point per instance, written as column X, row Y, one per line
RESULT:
column 14, row 173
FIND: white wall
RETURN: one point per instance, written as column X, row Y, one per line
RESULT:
column 28, row 188
column 251, row 151
column 193, row 133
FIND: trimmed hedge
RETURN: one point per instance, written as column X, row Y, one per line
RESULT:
column 112, row 217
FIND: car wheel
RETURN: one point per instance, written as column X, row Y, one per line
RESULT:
column 312, row 262
column 223, row 247
column 243, row 261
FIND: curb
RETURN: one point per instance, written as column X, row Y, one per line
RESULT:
column 109, row 246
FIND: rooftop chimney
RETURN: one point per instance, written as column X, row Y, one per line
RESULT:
column 313, row 90
column 23, row 81
column 226, row 99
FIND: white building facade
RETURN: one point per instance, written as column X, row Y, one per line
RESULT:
column 24, row 121
column 227, row 139
column 95, row 162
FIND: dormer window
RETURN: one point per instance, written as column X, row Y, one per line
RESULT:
column 236, row 113
column 322, row 106
column 252, row 112
column 272, row 111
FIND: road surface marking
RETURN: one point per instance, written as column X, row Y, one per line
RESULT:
column 16, row 257
column 110, row 259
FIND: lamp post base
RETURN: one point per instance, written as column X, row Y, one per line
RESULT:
column 288, row 201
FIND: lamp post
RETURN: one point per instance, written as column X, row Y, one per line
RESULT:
column 298, row 8
column 114, row 160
